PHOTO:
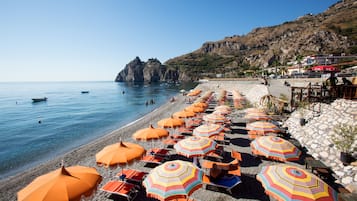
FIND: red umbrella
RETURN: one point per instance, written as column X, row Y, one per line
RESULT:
column 325, row 68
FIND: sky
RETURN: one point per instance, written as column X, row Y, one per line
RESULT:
column 93, row 40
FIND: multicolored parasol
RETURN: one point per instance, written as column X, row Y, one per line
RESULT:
column 207, row 130
column 173, row 180
column 290, row 183
column 214, row 118
column 256, row 116
column 195, row 146
column 275, row 148
column 263, row 127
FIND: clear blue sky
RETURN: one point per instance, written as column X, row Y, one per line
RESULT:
column 76, row 40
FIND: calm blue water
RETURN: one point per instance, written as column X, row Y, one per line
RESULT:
column 68, row 118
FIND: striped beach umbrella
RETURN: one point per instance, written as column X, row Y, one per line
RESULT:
column 223, row 107
column 173, row 180
column 290, row 183
column 262, row 127
column 214, row 118
column 256, row 116
column 275, row 148
column 254, row 110
column 207, row 130
column 195, row 146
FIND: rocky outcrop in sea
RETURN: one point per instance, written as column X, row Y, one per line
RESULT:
column 150, row 71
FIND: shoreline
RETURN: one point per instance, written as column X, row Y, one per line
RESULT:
column 85, row 154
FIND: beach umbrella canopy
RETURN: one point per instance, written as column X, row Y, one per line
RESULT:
column 256, row 116
column 121, row 154
column 195, row 146
column 173, row 180
column 254, row 110
column 195, row 109
column 200, row 104
column 170, row 122
column 63, row 184
column 150, row 133
column 223, row 107
column 325, row 68
column 207, row 130
column 214, row 118
column 221, row 112
column 184, row 114
column 275, row 148
column 262, row 127
column 290, row 183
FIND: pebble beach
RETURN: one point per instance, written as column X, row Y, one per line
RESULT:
column 310, row 136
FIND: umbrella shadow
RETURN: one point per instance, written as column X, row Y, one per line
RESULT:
column 250, row 188
column 242, row 124
column 248, row 160
column 242, row 142
column 239, row 131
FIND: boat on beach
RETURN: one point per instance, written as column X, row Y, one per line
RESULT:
column 35, row 100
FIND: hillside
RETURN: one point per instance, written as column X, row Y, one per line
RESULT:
column 331, row 32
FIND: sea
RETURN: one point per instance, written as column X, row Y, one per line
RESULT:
column 32, row 133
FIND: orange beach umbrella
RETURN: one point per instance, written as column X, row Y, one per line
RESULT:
column 170, row 123
column 63, row 184
column 121, row 153
column 150, row 133
column 184, row 114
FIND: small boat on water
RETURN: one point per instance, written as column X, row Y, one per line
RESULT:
column 39, row 99
column 84, row 92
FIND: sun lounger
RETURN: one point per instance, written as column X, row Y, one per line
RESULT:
column 152, row 159
column 185, row 131
column 121, row 188
column 132, row 175
column 226, row 182
column 236, row 155
column 158, row 152
column 225, row 166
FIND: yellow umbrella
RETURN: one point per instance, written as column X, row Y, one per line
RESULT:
column 63, row 184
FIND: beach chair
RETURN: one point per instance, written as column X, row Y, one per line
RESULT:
column 121, row 188
column 236, row 172
column 236, row 155
column 132, row 175
column 159, row 152
column 227, row 182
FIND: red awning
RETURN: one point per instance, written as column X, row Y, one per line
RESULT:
column 325, row 68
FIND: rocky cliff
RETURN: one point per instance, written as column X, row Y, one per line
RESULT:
column 150, row 71
column 331, row 32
